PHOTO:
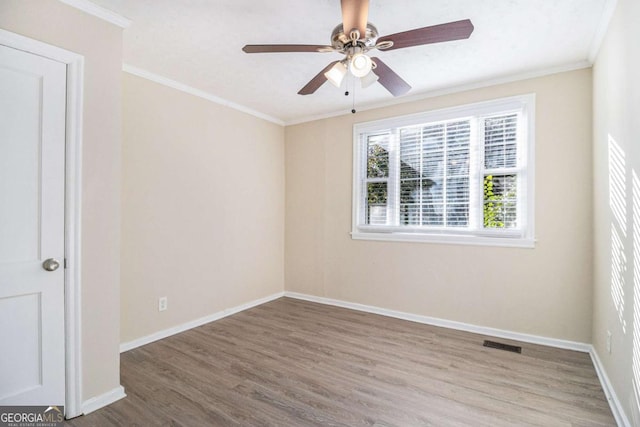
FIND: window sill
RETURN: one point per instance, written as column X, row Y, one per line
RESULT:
column 509, row 242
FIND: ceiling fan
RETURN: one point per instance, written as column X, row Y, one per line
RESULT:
column 355, row 37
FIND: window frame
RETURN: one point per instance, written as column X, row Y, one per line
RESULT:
column 522, row 237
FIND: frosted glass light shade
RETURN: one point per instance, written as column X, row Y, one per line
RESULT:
column 336, row 74
column 369, row 79
column 360, row 65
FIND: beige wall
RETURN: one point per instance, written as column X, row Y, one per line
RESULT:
column 101, row 45
column 545, row 291
column 616, row 113
column 203, row 208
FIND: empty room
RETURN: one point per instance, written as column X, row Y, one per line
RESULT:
column 319, row 213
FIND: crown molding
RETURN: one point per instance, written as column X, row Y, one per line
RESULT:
column 99, row 12
column 395, row 101
column 197, row 92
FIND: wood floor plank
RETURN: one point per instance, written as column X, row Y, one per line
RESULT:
column 297, row 363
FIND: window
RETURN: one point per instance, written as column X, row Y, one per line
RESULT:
column 461, row 175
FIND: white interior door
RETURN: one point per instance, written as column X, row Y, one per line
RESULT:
column 32, row 155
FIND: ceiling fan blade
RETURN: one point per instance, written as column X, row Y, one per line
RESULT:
column 275, row 48
column 316, row 82
column 354, row 15
column 389, row 79
column 456, row 30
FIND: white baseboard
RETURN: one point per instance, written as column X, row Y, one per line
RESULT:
column 126, row 346
column 612, row 398
column 434, row 321
column 103, row 400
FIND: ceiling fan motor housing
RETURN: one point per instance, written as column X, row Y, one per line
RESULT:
column 342, row 42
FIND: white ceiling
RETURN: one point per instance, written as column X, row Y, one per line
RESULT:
column 199, row 43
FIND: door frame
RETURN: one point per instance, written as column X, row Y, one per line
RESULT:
column 73, row 209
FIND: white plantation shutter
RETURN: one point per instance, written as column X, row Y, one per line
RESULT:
column 463, row 175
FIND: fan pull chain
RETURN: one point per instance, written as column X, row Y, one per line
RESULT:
column 352, row 80
column 353, row 103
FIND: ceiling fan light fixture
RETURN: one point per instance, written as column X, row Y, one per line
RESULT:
column 336, row 74
column 360, row 65
column 369, row 79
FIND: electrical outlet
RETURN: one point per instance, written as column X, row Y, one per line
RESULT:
column 162, row 303
column 609, row 342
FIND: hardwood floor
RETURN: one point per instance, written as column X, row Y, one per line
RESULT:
column 296, row 363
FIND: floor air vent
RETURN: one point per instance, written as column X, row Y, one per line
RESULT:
column 501, row 346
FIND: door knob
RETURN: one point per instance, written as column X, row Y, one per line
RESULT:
column 51, row 264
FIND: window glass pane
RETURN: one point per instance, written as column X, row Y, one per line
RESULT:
column 432, row 202
column 458, row 215
column 458, row 201
column 410, row 191
column 433, row 164
column 457, row 183
column 428, row 154
column 458, row 135
column 378, row 156
column 377, row 203
column 410, row 214
column 458, row 163
column 500, row 149
column 410, row 152
column 458, row 190
column 421, row 203
column 433, row 137
column 432, row 215
column 500, row 203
